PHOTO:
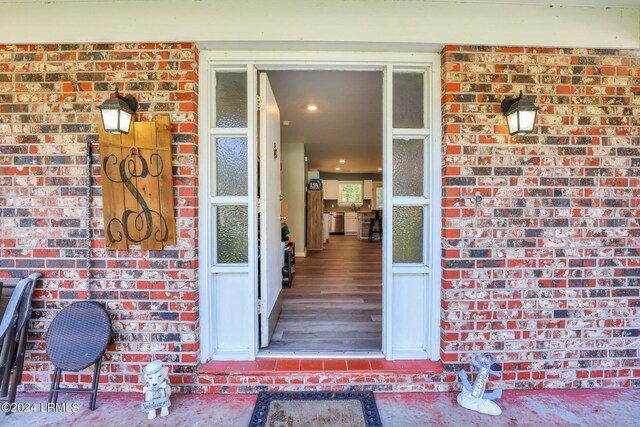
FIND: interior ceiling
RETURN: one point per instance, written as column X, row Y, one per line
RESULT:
column 347, row 124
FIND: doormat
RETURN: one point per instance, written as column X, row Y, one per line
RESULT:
column 315, row 409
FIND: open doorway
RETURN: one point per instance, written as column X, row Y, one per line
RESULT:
column 328, row 166
column 228, row 199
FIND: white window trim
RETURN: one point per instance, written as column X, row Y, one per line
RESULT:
column 314, row 60
column 361, row 183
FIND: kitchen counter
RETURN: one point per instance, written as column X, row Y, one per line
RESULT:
column 364, row 222
column 368, row 211
column 356, row 222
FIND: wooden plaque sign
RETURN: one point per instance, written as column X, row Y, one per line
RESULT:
column 137, row 186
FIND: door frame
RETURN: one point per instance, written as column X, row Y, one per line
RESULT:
column 253, row 61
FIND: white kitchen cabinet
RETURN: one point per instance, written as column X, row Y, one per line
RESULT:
column 330, row 187
column 367, row 190
column 326, row 226
column 351, row 225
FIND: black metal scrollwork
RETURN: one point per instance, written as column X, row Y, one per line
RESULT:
column 142, row 220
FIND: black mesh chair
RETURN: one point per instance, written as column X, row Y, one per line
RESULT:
column 77, row 338
column 13, row 335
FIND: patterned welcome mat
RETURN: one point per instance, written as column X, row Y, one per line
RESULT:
column 315, row 409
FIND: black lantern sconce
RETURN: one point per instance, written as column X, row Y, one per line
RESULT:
column 520, row 114
column 117, row 113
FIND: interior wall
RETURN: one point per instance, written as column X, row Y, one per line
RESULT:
column 351, row 176
column 332, row 205
column 293, row 190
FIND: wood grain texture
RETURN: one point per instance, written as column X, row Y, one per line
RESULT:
column 137, row 185
column 335, row 304
column 112, row 193
column 132, row 163
column 165, row 183
column 147, row 184
column 314, row 220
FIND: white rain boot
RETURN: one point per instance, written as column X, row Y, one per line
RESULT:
column 484, row 406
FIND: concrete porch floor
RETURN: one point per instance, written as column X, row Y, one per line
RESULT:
column 520, row 408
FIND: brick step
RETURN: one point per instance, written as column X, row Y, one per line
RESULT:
column 378, row 375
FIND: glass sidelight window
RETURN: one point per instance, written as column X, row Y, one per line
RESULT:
column 408, row 227
column 231, row 165
column 408, row 101
column 408, row 167
column 231, row 100
column 409, row 158
column 412, row 282
column 230, row 162
column 232, row 237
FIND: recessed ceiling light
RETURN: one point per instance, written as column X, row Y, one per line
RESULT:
column 337, row 169
column 312, row 107
column 341, row 160
column 379, row 169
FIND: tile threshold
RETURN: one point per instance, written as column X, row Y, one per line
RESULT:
column 320, row 355
column 319, row 366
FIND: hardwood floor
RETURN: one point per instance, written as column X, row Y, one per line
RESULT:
column 335, row 304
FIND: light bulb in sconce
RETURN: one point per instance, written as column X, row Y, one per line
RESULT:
column 520, row 113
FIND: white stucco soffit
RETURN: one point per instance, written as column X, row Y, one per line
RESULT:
column 331, row 24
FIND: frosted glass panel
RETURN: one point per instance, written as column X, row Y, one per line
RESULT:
column 231, row 100
column 407, row 234
column 408, row 167
column 408, row 93
column 231, row 167
column 233, row 239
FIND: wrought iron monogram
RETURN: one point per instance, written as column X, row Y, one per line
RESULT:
column 124, row 171
column 137, row 186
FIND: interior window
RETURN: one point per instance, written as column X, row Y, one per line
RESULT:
column 350, row 193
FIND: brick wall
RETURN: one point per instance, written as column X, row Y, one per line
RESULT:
column 48, row 98
column 545, row 269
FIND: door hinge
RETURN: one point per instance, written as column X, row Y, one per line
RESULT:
column 260, row 103
column 260, row 306
column 257, row 205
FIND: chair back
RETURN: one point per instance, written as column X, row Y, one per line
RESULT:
column 11, row 312
column 24, row 313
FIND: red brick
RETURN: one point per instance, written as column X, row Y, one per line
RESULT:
column 56, row 242
column 545, row 262
column 545, row 250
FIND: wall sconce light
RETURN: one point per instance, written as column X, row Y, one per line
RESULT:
column 117, row 113
column 520, row 114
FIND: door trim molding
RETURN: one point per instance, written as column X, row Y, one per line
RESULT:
column 275, row 315
column 314, row 60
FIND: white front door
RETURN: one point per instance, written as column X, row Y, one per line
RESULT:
column 269, row 211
